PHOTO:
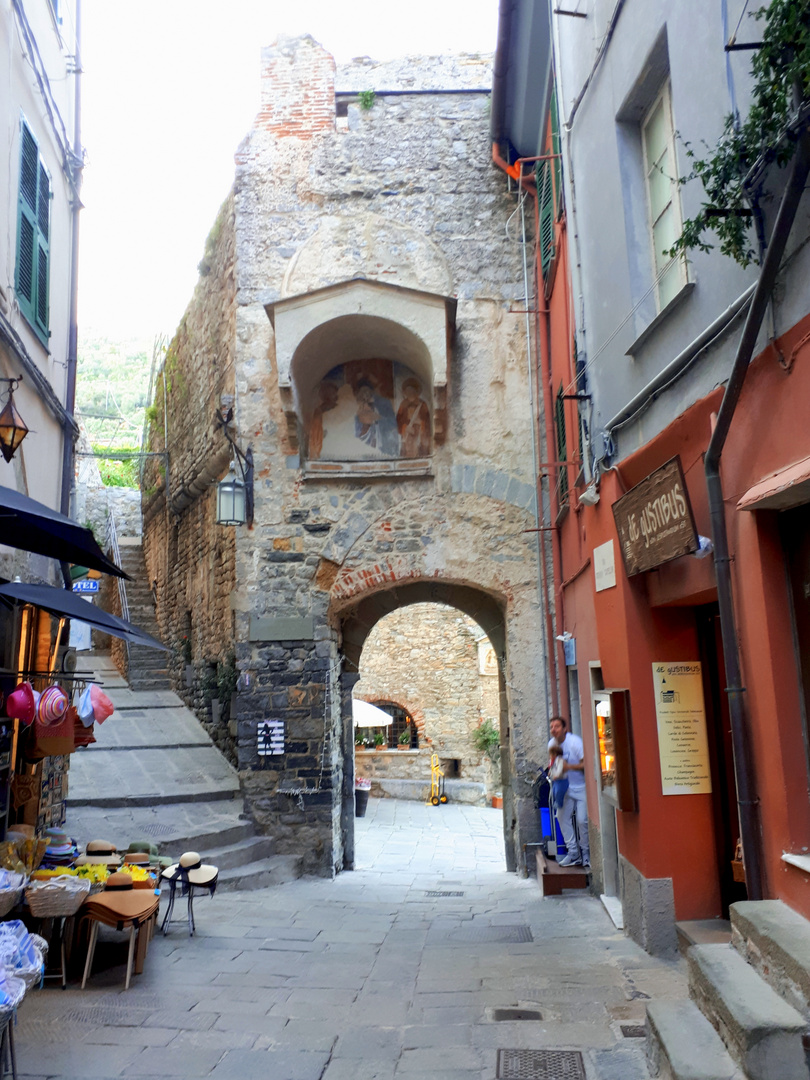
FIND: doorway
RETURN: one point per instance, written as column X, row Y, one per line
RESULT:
column 721, row 753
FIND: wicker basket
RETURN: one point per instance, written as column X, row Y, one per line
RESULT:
column 61, row 896
column 9, row 898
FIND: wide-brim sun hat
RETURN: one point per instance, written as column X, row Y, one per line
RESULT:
column 99, row 851
column 190, row 867
column 53, row 703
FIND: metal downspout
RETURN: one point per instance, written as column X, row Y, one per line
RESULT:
column 73, row 326
column 743, row 762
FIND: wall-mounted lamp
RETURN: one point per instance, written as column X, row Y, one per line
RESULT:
column 12, row 427
column 235, row 493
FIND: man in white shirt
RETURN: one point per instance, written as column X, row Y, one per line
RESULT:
column 579, row 852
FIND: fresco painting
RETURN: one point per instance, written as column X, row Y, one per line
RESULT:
column 370, row 409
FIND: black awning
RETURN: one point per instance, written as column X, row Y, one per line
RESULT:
column 61, row 602
column 32, row 526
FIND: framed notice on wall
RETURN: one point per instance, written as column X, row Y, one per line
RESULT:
column 683, row 748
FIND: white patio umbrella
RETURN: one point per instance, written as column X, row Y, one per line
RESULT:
column 367, row 715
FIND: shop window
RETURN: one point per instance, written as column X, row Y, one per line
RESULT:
column 33, row 235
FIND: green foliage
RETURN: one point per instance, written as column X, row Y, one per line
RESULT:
column 379, row 738
column 227, row 678
column 781, row 72
column 487, row 740
column 205, row 265
column 118, row 473
column 405, row 737
column 111, row 387
column 366, row 99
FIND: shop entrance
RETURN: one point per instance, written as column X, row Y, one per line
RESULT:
column 796, row 537
column 718, row 729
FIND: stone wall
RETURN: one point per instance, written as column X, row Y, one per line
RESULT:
column 188, row 555
column 403, row 194
column 425, row 659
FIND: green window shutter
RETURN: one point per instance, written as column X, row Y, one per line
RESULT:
column 26, row 237
column 33, row 236
column 546, row 195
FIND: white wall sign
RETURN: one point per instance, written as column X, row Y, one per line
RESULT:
column 682, row 744
column 270, row 738
column 604, row 566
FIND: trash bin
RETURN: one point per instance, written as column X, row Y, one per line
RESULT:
column 360, row 801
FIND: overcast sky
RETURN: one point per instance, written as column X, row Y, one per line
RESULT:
column 170, row 89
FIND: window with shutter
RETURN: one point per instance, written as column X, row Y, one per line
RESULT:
column 545, row 187
column 33, row 235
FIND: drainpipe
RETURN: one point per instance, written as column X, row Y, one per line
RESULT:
column 515, row 171
column 73, row 327
column 747, row 801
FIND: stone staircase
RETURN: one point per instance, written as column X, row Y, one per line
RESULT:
column 154, row 774
column 147, row 667
column 748, row 1013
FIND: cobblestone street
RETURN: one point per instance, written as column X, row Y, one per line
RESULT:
column 394, row 970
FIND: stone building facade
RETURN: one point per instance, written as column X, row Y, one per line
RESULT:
column 360, row 311
column 434, row 663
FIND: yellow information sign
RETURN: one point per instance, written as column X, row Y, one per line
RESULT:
column 682, row 744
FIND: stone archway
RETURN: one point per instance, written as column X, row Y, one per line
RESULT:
column 356, row 620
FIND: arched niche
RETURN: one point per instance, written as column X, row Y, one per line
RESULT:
column 399, row 334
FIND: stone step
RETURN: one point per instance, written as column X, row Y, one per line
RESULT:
column 683, row 1045
column 206, row 841
column 244, row 852
column 702, row 932
column 276, row 870
column 762, row 1033
column 213, row 793
column 775, row 940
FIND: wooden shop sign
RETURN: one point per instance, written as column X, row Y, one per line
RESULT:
column 654, row 520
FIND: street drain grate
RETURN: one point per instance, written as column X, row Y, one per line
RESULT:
column 516, row 1014
column 634, row 1031
column 439, row 892
column 540, row 1065
column 107, row 1015
column 157, row 830
column 492, row 935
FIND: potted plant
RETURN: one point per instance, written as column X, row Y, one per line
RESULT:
column 379, row 740
column 404, row 740
column 362, row 787
column 358, row 741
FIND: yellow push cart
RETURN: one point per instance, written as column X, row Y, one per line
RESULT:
column 437, row 792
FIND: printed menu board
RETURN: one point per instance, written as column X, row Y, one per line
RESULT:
column 682, row 744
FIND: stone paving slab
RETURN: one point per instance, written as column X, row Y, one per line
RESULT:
column 338, row 1006
column 141, row 728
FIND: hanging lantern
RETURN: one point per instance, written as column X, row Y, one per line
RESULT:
column 12, row 427
column 231, row 500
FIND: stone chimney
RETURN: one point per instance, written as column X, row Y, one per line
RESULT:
column 298, row 88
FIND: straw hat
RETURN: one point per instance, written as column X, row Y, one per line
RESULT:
column 99, row 851
column 136, row 858
column 190, row 868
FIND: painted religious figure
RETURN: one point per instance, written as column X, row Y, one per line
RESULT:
column 370, row 409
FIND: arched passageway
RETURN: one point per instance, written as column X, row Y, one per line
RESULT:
column 356, row 623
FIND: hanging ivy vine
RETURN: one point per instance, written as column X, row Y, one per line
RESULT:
column 780, row 93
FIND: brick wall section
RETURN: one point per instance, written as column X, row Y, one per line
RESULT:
column 424, row 658
column 298, row 89
column 187, row 554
